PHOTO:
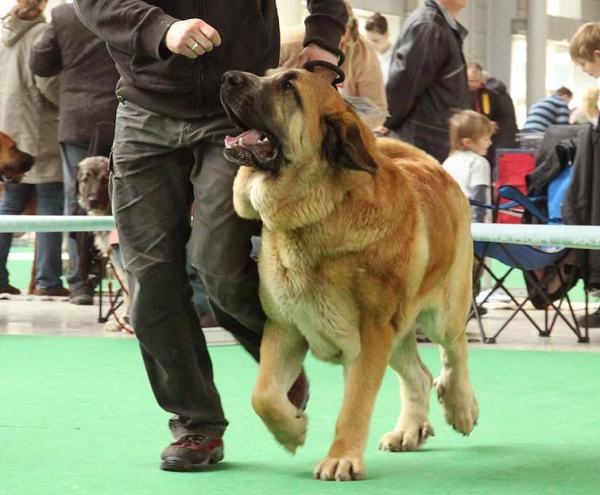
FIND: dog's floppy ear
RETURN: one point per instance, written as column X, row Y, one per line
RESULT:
column 343, row 145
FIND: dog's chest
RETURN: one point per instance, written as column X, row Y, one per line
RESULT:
column 305, row 297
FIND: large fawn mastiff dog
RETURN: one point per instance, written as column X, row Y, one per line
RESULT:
column 362, row 239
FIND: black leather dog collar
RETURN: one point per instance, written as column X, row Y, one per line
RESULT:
column 339, row 73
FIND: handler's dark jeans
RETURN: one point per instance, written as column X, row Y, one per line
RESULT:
column 159, row 166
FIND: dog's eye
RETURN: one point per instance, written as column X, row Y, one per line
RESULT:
column 289, row 88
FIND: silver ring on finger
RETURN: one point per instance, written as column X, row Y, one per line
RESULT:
column 194, row 46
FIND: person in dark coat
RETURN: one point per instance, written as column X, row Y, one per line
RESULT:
column 428, row 77
column 87, row 98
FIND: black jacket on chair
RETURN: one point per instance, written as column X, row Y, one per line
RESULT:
column 579, row 144
column 582, row 200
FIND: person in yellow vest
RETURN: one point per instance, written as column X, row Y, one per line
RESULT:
column 496, row 104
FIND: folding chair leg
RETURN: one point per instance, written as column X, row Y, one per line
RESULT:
column 475, row 313
column 574, row 325
column 586, row 337
column 101, row 318
column 113, row 305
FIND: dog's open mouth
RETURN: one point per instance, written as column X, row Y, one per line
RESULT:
column 253, row 148
column 11, row 177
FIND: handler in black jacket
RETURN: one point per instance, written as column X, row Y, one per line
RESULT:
column 428, row 77
column 168, row 153
column 87, row 97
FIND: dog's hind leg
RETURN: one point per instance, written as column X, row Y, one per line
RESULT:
column 412, row 429
column 453, row 386
column 282, row 353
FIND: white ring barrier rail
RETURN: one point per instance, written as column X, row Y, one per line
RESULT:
column 573, row 236
column 55, row 223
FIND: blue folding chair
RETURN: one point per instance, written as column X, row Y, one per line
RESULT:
column 528, row 259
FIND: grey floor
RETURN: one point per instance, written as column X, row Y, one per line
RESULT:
column 31, row 315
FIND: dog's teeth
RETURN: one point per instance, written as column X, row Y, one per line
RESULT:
column 240, row 142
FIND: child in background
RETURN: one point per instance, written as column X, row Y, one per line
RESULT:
column 585, row 48
column 470, row 138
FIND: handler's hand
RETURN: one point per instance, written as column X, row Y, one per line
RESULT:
column 315, row 52
column 191, row 38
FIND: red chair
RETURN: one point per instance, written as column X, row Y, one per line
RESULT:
column 512, row 166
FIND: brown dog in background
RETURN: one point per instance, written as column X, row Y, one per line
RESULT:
column 13, row 162
column 362, row 239
column 93, row 197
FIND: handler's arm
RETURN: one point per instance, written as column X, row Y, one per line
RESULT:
column 132, row 26
column 324, row 28
column 326, row 24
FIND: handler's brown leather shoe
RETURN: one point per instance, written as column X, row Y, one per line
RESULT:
column 190, row 453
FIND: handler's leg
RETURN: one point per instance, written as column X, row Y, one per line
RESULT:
column 151, row 197
column 220, row 249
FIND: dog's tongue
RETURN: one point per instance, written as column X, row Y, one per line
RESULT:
column 253, row 142
column 247, row 139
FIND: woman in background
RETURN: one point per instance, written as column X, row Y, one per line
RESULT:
column 29, row 114
column 588, row 112
column 377, row 33
column 361, row 67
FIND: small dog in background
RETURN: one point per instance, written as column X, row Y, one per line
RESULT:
column 92, row 196
column 13, row 162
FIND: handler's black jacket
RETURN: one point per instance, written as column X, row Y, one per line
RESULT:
column 175, row 86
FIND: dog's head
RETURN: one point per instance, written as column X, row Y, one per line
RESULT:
column 292, row 117
column 13, row 162
column 92, row 185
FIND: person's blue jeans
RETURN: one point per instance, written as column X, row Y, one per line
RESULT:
column 72, row 154
column 50, row 201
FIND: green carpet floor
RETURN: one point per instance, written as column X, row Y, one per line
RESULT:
column 78, row 417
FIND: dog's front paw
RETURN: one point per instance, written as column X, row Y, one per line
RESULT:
column 460, row 406
column 292, row 434
column 343, row 468
column 407, row 439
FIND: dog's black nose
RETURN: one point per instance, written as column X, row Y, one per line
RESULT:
column 233, row 78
